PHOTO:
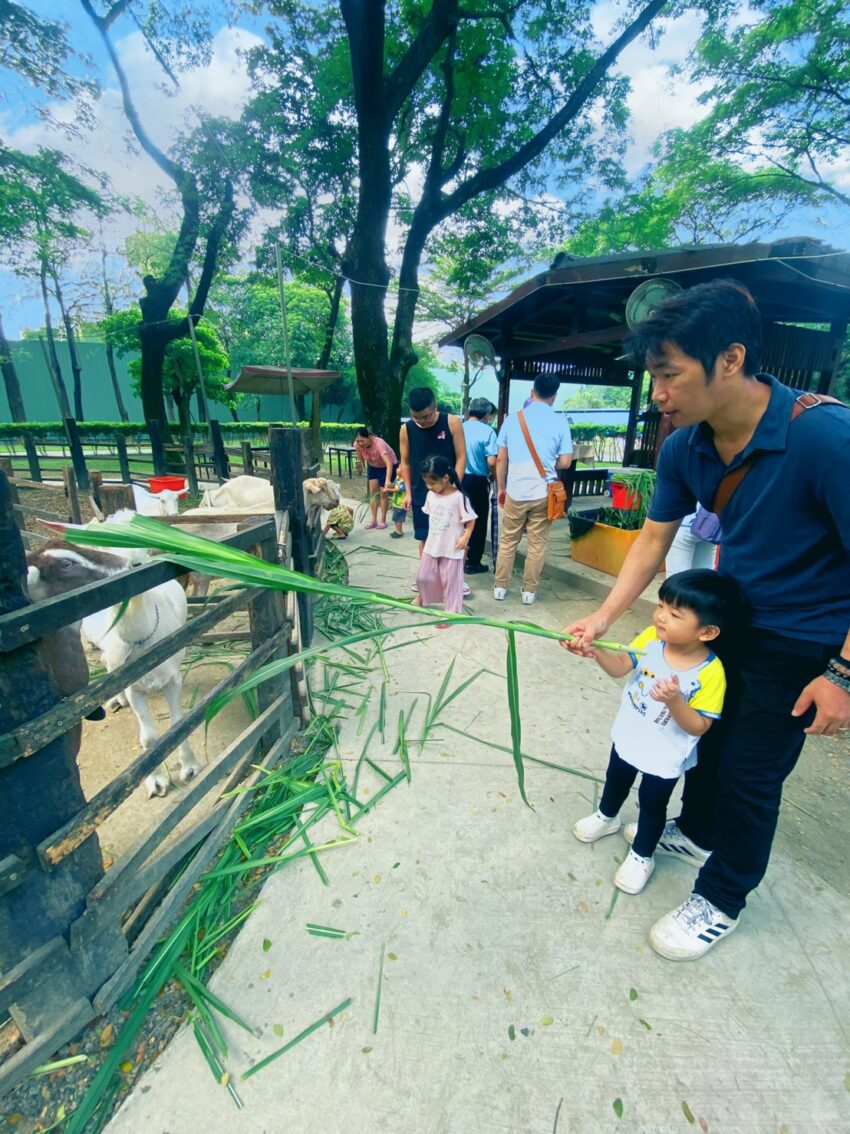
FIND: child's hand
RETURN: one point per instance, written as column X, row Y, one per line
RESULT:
column 461, row 543
column 666, row 691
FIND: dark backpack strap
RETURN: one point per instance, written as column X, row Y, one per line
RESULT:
column 731, row 481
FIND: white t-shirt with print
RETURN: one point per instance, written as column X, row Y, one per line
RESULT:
column 447, row 513
column 551, row 436
column 644, row 733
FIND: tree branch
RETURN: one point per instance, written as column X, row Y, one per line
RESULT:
column 441, row 21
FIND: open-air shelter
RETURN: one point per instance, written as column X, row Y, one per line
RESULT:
column 571, row 319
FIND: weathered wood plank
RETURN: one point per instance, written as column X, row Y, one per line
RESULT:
column 33, row 1054
column 31, row 737
column 169, row 909
column 32, row 622
column 12, row 871
column 55, row 848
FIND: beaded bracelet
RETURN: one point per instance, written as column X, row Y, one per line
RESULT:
column 838, row 672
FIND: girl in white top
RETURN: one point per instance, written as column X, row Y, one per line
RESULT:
column 450, row 524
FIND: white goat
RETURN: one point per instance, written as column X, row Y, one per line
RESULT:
column 58, row 566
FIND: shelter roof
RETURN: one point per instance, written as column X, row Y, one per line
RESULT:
column 273, row 380
column 572, row 316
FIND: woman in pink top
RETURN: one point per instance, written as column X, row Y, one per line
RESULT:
column 450, row 524
column 381, row 461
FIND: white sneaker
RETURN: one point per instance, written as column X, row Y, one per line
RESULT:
column 528, row 597
column 595, row 826
column 691, row 930
column 466, row 590
column 674, row 843
column 500, row 593
column 634, row 873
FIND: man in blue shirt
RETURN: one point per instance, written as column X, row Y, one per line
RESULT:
column 523, row 492
column 786, row 540
column 480, row 464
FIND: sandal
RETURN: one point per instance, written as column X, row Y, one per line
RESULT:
column 380, row 526
column 396, row 535
column 369, row 527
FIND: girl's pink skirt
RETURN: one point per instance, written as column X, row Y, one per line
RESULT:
column 441, row 581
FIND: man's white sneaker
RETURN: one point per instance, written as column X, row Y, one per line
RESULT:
column 691, row 930
column 528, row 597
column 634, row 873
column 674, row 843
column 500, row 593
column 595, row 826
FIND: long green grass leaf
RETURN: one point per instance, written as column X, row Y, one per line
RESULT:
column 513, row 708
column 377, row 1009
column 297, row 1039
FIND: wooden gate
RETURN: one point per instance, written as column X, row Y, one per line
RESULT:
column 72, row 933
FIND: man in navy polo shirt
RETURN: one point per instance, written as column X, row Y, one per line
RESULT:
column 786, row 540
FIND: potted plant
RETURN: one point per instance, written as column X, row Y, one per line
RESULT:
column 601, row 537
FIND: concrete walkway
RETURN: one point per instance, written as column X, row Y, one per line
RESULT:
column 519, row 993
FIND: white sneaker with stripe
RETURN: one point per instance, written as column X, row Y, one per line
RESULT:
column 690, row 931
column 674, row 843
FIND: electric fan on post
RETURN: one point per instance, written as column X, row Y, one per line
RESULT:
column 646, row 297
column 478, row 352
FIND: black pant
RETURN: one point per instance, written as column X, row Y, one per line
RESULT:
column 653, row 796
column 477, row 489
column 730, row 804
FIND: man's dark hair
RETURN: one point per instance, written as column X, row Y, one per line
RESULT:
column 715, row 599
column 481, row 407
column 420, row 398
column 702, row 322
column 546, row 385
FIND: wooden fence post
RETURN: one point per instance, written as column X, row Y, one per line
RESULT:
column 220, row 462
column 157, row 448
column 32, row 456
column 123, row 462
column 267, row 616
column 288, row 484
column 114, row 497
column 247, row 459
column 73, row 496
column 38, row 795
column 77, row 458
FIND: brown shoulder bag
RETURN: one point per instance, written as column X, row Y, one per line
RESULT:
column 557, row 494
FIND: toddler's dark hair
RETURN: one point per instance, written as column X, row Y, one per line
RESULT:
column 715, row 599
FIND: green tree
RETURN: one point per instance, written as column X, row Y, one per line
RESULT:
column 486, row 103
column 43, row 202
column 207, row 205
column 778, row 90
column 180, row 373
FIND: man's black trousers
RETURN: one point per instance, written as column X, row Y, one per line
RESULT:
column 730, row 802
column 477, row 489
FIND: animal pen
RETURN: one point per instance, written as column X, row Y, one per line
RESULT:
column 74, row 931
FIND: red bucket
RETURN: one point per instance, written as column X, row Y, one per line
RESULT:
column 622, row 497
column 173, row 483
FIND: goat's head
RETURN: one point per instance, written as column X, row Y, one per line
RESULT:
column 58, row 566
column 319, row 492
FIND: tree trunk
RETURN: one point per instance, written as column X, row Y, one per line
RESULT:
column 10, row 379
column 154, row 343
column 330, row 326
column 53, row 358
column 109, row 308
column 76, row 369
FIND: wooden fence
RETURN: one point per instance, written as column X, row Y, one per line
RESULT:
column 73, row 933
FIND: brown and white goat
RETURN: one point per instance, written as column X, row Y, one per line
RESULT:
column 57, row 567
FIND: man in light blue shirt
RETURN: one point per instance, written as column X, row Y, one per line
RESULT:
column 523, row 492
column 480, row 463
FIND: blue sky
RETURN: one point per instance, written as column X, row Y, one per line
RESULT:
column 220, row 87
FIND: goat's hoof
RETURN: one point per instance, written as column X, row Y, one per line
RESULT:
column 116, row 704
column 189, row 773
column 156, row 785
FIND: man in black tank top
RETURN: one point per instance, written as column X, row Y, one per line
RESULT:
column 427, row 433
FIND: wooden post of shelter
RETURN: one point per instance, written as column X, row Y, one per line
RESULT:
column 38, row 795
column 247, row 458
column 220, row 463
column 123, row 462
column 32, row 456
column 191, row 472
column 77, row 458
column 634, row 410
column 157, row 448
column 70, row 481
column 288, row 484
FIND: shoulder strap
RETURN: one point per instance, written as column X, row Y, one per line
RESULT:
column 731, row 481
column 530, row 444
